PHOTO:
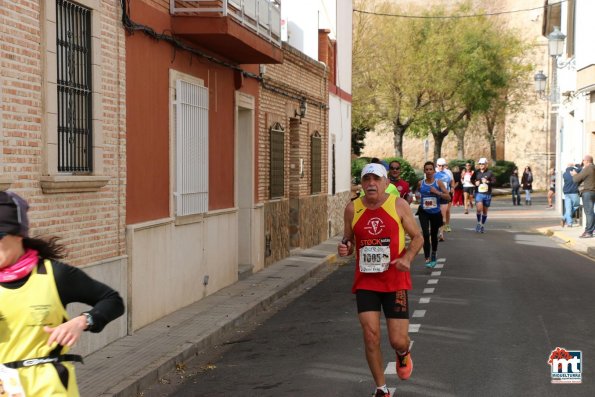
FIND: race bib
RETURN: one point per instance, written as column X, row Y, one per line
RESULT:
column 467, row 178
column 430, row 203
column 483, row 188
column 374, row 258
column 10, row 384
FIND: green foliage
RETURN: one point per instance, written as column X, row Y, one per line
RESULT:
column 356, row 168
column 502, row 171
column 358, row 134
column 460, row 163
column 431, row 75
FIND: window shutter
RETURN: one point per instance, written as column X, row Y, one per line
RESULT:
column 277, row 161
column 192, row 148
column 316, row 161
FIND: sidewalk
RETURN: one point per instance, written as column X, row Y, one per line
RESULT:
column 570, row 237
column 131, row 364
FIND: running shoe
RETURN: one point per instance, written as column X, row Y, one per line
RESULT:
column 430, row 264
column 441, row 237
column 404, row 365
column 481, row 229
column 478, row 228
column 447, row 228
column 466, row 211
column 381, row 393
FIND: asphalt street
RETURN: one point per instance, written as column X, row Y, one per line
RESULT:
column 483, row 323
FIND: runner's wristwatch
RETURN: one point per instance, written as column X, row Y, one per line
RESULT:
column 89, row 320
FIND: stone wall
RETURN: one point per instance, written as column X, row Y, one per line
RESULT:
column 276, row 226
column 312, row 216
column 336, row 209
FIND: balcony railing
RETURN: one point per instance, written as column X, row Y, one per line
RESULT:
column 263, row 17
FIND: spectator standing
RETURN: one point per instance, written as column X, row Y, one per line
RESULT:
column 587, row 178
column 515, row 184
column 571, row 197
column 527, row 184
column 457, row 199
column 552, row 190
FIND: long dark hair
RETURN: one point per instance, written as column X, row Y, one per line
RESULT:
column 48, row 248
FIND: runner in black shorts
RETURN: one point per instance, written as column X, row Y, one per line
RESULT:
column 394, row 304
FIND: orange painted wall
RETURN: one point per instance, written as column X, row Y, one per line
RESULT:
column 148, row 142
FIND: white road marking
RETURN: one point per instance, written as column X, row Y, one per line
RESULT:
column 433, row 281
column 439, row 266
column 414, row 328
column 391, row 369
column 418, row 313
column 429, row 290
column 435, row 274
column 441, row 260
column 424, row 300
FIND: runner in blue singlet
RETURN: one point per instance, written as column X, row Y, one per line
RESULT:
column 430, row 191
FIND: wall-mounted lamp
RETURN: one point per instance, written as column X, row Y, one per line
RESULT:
column 301, row 113
column 556, row 48
column 540, row 83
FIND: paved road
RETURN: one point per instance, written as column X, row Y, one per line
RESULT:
column 483, row 325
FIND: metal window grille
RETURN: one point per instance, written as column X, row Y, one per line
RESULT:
column 75, row 110
column 316, row 161
column 192, row 148
column 277, row 161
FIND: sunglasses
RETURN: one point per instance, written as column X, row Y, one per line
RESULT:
column 395, row 168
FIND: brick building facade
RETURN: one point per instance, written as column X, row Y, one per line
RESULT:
column 85, row 209
column 295, row 218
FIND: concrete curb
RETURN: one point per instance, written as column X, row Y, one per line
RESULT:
column 109, row 372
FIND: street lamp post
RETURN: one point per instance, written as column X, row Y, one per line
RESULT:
column 555, row 49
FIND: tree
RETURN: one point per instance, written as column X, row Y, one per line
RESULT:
column 432, row 75
column 388, row 85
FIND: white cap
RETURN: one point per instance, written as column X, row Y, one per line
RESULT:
column 482, row 160
column 374, row 168
column 441, row 161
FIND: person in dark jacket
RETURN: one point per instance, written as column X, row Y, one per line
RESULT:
column 515, row 184
column 527, row 184
column 587, row 178
column 571, row 197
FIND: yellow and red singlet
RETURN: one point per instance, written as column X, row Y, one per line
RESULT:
column 379, row 238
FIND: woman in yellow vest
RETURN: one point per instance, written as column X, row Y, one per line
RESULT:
column 35, row 330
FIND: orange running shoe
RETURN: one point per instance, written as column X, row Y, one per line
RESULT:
column 404, row 365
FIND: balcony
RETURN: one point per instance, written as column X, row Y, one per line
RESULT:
column 244, row 31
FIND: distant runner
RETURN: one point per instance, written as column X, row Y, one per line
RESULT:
column 484, row 179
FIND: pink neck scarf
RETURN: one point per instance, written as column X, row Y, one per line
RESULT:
column 21, row 268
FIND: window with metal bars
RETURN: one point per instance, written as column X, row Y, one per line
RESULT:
column 316, row 161
column 75, row 110
column 277, row 161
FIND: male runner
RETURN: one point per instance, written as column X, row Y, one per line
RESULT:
column 484, row 179
column 375, row 225
column 394, row 170
column 444, row 175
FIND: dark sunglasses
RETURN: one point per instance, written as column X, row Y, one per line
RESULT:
column 395, row 168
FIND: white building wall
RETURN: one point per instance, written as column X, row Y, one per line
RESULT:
column 584, row 31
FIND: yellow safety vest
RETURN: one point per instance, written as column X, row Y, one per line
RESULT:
column 23, row 314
